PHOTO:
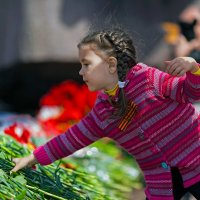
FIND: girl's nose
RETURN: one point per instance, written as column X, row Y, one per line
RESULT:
column 81, row 71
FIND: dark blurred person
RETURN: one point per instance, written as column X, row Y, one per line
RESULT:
column 188, row 44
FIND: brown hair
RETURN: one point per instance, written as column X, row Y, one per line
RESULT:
column 115, row 43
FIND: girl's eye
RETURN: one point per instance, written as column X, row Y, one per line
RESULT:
column 85, row 65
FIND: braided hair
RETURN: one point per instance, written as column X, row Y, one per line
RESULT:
column 118, row 44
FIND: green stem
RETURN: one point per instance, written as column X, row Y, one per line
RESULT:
column 7, row 150
column 6, row 194
column 46, row 193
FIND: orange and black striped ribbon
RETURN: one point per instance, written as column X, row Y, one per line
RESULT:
column 130, row 112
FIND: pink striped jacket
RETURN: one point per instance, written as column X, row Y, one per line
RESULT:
column 163, row 133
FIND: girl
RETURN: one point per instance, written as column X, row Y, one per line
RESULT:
column 148, row 112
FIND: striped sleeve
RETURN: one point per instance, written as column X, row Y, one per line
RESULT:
column 78, row 136
column 181, row 89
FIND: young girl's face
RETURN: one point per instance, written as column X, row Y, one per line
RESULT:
column 95, row 70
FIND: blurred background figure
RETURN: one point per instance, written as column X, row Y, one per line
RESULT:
column 188, row 43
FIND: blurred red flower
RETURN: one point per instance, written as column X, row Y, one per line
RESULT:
column 19, row 132
column 64, row 105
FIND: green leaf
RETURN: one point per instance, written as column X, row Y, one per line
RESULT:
column 21, row 196
column 20, row 179
column 2, row 173
column 2, row 155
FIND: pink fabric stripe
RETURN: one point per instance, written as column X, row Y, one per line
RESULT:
column 65, row 148
column 190, row 158
column 192, row 181
column 56, row 150
column 158, row 197
column 72, row 140
column 81, row 138
column 180, row 146
column 160, row 123
column 41, row 156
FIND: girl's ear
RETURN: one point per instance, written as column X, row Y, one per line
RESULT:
column 112, row 61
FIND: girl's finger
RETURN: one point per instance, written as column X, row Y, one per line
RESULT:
column 181, row 73
column 176, row 71
column 170, row 66
column 173, row 68
column 16, row 168
column 19, row 164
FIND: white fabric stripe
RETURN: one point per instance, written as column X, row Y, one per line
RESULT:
column 160, row 115
column 86, row 132
column 49, row 153
column 137, row 146
column 193, row 161
column 135, row 88
column 161, row 191
column 191, row 174
column 174, row 133
column 185, row 153
column 66, row 143
column 175, row 86
column 127, row 137
column 73, row 134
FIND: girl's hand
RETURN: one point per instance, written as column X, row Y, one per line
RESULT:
column 20, row 163
column 180, row 65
